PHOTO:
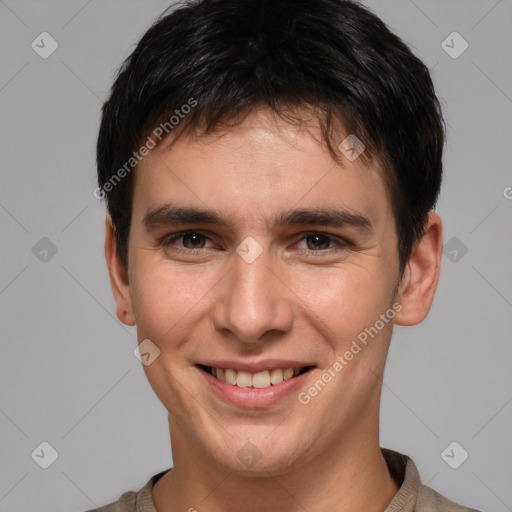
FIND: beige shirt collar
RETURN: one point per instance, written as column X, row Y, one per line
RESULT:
column 401, row 466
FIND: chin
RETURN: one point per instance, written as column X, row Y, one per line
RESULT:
column 260, row 454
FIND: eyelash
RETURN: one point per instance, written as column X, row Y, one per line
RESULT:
column 166, row 241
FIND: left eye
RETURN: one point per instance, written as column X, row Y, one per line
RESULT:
column 317, row 242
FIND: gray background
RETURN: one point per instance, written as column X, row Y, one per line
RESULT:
column 68, row 374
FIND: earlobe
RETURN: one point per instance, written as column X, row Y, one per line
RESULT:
column 419, row 282
column 119, row 280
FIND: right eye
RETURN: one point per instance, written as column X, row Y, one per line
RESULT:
column 191, row 240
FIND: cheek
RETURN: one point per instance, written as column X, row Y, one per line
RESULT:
column 155, row 301
column 347, row 299
column 166, row 298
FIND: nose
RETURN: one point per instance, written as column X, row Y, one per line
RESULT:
column 253, row 303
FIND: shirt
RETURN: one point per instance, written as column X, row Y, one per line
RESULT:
column 412, row 496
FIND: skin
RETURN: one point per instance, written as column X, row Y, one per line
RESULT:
column 290, row 303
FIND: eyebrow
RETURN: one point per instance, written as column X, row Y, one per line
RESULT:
column 168, row 215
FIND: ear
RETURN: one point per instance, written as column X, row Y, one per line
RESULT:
column 421, row 275
column 119, row 280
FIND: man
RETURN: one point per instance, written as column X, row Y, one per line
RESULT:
column 270, row 170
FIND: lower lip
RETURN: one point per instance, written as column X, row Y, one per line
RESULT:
column 254, row 397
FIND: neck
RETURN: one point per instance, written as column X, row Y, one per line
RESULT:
column 354, row 476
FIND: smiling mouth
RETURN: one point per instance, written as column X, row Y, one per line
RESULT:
column 259, row 380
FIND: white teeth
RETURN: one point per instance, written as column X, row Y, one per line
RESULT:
column 259, row 380
column 288, row 373
column 230, row 376
column 276, row 376
column 243, row 380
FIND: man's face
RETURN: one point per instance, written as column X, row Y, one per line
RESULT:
column 258, row 294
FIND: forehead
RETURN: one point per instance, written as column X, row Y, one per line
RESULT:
column 262, row 167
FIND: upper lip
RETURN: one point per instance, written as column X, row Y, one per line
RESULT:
column 256, row 366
